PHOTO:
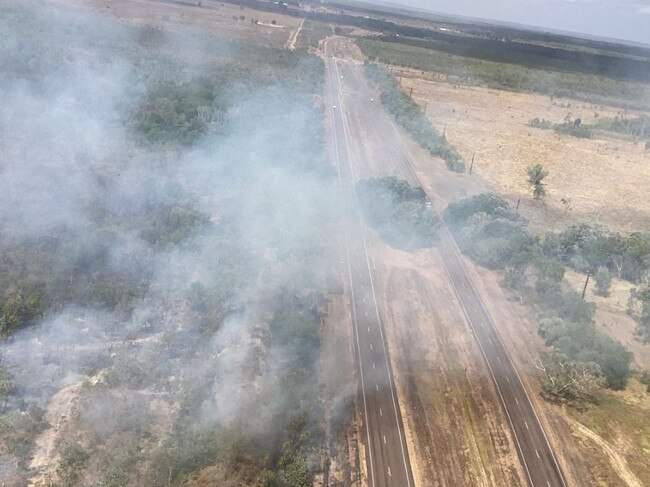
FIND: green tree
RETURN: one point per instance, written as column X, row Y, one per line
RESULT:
column 536, row 175
column 603, row 281
column 6, row 386
column 10, row 312
column 639, row 308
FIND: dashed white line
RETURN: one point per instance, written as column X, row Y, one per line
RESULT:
column 498, row 358
column 380, row 412
column 377, row 386
column 517, row 401
column 373, row 366
column 507, row 380
column 526, row 423
column 368, row 329
column 389, row 474
column 537, row 453
column 371, row 346
column 384, row 439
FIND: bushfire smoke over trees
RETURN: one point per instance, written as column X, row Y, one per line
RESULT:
column 164, row 215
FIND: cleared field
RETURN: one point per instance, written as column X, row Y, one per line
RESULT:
column 553, row 80
column 222, row 19
column 604, row 179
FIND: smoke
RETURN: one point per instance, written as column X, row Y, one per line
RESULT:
column 73, row 172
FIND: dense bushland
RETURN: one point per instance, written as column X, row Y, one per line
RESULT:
column 492, row 233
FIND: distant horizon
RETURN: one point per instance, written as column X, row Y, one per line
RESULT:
column 625, row 21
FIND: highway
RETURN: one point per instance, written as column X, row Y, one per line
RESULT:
column 355, row 110
column 387, row 459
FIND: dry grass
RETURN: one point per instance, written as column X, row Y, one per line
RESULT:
column 211, row 17
column 621, row 420
column 611, row 314
column 604, row 179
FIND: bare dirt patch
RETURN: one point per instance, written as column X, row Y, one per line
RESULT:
column 46, row 453
column 602, row 178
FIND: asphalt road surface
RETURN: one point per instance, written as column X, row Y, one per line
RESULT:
column 387, row 457
column 351, row 94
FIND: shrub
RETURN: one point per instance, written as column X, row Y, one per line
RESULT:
column 397, row 211
column 603, row 281
column 540, row 123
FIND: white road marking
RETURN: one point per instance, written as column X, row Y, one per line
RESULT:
column 334, row 66
column 384, row 439
column 373, row 366
column 366, row 314
column 380, row 413
column 498, row 358
column 526, row 423
column 371, row 346
column 389, row 474
column 507, row 380
column 377, row 386
column 537, row 453
column 517, row 401
column 368, row 329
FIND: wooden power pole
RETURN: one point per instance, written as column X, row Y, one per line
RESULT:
column 584, row 289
